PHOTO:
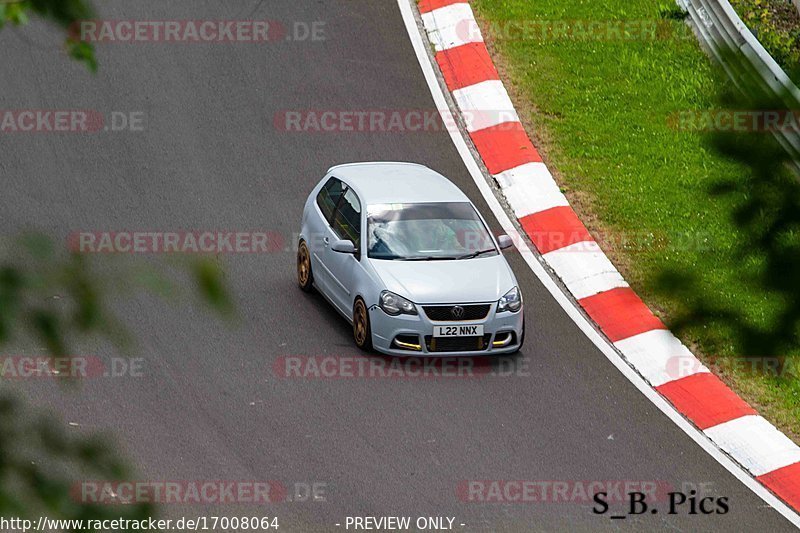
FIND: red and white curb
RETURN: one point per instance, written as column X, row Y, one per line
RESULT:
column 570, row 251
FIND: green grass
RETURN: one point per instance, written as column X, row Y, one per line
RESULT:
column 600, row 109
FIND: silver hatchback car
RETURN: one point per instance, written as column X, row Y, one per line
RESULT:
column 407, row 259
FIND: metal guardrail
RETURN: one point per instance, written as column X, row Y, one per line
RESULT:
column 721, row 32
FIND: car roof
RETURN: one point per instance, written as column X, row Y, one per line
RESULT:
column 393, row 182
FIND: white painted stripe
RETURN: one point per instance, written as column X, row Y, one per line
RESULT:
column 530, row 188
column 660, row 357
column 451, row 26
column 584, row 269
column 570, row 308
column 485, row 104
column 755, row 443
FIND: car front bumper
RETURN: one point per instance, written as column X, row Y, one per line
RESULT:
column 386, row 328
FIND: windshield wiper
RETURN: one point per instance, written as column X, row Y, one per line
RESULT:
column 431, row 258
column 476, row 254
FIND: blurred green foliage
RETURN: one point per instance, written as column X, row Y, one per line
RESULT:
column 39, row 462
column 37, row 459
column 776, row 24
column 62, row 13
column 765, row 208
column 56, row 300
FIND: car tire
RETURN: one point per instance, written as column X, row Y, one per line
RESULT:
column 362, row 330
column 305, row 277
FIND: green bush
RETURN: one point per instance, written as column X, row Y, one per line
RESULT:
column 776, row 24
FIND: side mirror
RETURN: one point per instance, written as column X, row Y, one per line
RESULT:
column 505, row 242
column 344, row 247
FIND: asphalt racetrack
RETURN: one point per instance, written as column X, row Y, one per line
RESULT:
column 209, row 404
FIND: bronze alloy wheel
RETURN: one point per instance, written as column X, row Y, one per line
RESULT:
column 361, row 330
column 304, row 277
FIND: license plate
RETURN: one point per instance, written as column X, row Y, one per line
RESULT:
column 458, row 331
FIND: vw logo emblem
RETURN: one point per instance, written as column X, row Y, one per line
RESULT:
column 457, row 312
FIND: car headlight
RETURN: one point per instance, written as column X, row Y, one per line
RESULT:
column 394, row 304
column 512, row 301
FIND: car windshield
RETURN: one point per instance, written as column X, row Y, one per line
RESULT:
column 427, row 232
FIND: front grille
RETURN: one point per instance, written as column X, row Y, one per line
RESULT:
column 457, row 344
column 444, row 313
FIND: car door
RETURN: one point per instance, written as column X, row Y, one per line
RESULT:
column 343, row 268
column 320, row 232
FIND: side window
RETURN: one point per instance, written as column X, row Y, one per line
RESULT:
column 347, row 221
column 329, row 196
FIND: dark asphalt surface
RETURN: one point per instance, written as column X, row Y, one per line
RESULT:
column 209, row 405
